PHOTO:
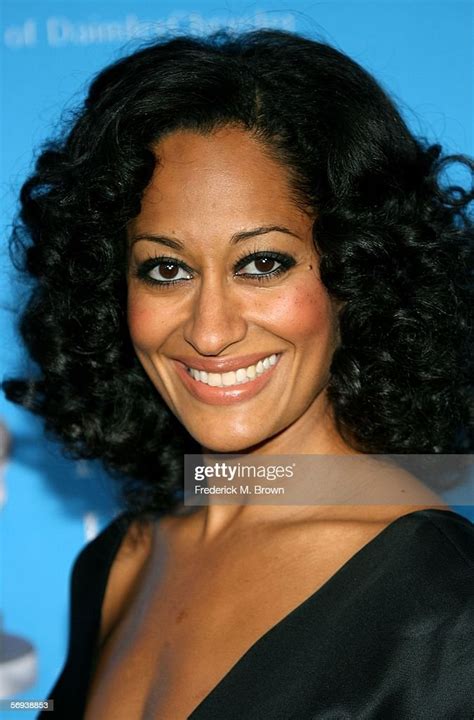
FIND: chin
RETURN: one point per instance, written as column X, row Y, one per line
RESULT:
column 230, row 443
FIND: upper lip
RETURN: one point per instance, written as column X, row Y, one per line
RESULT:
column 219, row 365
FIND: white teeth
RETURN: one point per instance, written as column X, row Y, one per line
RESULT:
column 240, row 375
column 214, row 380
column 228, row 378
column 237, row 377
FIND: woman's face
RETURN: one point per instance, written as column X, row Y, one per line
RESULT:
column 223, row 278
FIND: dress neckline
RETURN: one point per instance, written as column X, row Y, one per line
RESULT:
column 200, row 713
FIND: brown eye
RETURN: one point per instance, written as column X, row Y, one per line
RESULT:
column 163, row 271
column 264, row 264
column 167, row 270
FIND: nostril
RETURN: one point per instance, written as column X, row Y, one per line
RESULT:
column 211, row 331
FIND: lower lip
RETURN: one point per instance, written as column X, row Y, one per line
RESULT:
column 224, row 395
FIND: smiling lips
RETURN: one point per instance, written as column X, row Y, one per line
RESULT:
column 221, row 388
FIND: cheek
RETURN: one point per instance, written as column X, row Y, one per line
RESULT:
column 147, row 326
column 303, row 312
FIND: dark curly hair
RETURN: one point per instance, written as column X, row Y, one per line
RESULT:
column 396, row 246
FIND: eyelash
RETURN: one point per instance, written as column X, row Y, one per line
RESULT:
column 285, row 263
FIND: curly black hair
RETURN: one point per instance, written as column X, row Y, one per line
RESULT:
column 396, row 246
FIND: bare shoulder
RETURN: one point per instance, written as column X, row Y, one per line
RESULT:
column 125, row 574
column 382, row 493
column 385, row 492
column 380, row 480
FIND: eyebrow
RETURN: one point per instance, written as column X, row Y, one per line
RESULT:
column 236, row 237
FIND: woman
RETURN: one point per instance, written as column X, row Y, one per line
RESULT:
column 239, row 247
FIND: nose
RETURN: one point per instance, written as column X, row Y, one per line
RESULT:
column 216, row 319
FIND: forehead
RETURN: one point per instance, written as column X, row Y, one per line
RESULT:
column 225, row 179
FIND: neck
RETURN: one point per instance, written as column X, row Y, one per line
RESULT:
column 315, row 433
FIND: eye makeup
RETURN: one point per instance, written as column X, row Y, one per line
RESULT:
column 165, row 264
column 144, row 269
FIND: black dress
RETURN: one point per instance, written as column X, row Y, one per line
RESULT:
column 390, row 636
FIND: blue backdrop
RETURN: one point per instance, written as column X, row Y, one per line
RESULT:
column 420, row 50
